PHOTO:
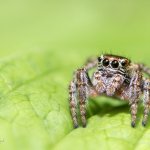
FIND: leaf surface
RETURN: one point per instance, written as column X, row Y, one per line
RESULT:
column 34, row 109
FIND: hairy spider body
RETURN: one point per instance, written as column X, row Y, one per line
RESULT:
column 115, row 76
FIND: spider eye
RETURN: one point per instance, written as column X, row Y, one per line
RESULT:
column 124, row 63
column 115, row 64
column 105, row 62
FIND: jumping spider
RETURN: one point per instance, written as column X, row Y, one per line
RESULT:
column 115, row 76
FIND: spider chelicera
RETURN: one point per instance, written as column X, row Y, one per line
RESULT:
column 115, row 76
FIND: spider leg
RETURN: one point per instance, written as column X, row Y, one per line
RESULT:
column 133, row 108
column 81, row 87
column 146, row 101
column 73, row 102
column 115, row 83
column 145, row 69
column 91, row 63
column 134, row 94
column 84, row 87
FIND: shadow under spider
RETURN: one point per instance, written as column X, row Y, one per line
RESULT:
column 111, row 106
column 105, row 105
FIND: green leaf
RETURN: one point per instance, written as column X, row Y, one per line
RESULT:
column 42, row 42
column 34, row 108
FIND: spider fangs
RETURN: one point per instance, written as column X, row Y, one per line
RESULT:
column 115, row 76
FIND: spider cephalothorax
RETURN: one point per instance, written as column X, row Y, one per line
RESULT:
column 113, row 63
column 115, row 76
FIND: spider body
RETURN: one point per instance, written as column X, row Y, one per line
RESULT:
column 115, row 76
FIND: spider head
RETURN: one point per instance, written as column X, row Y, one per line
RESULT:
column 113, row 63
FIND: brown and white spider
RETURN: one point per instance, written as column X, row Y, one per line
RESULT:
column 115, row 76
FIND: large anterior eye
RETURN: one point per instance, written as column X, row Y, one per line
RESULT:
column 115, row 64
column 105, row 62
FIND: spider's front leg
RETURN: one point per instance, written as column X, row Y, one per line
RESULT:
column 146, row 100
column 134, row 93
column 73, row 102
column 81, row 88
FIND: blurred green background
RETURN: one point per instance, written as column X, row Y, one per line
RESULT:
column 72, row 25
column 41, row 43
